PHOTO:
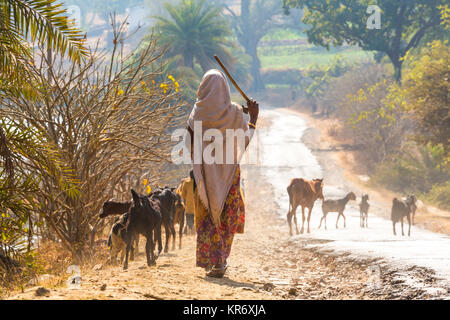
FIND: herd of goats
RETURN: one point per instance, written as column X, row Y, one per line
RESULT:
column 304, row 193
column 147, row 214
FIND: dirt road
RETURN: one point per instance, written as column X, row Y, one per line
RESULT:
column 265, row 262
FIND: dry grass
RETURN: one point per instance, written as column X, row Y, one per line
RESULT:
column 49, row 267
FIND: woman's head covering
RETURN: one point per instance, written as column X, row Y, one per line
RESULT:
column 216, row 111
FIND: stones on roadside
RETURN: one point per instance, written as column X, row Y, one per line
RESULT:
column 268, row 287
column 103, row 287
column 292, row 291
column 42, row 292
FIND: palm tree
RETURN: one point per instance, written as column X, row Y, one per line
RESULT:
column 41, row 21
column 197, row 31
column 45, row 23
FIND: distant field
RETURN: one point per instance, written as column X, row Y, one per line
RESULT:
column 301, row 54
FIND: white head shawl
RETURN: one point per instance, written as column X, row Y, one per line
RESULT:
column 216, row 111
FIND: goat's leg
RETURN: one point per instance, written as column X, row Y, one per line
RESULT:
column 303, row 221
column 181, row 229
column 132, row 251
column 114, row 253
column 345, row 222
column 337, row 220
column 321, row 219
column 367, row 219
column 409, row 225
column 173, row 232
column 166, row 246
column 393, row 227
column 158, row 237
column 361, row 219
column 125, row 264
column 402, row 226
column 122, row 255
column 149, row 250
column 309, row 218
column 289, row 219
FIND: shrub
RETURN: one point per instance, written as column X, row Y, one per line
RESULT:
column 440, row 195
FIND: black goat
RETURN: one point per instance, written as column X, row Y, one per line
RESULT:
column 144, row 218
column 336, row 206
column 113, row 208
column 401, row 209
column 364, row 211
column 168, row 200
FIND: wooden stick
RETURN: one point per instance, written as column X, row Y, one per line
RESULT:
column 233, row 82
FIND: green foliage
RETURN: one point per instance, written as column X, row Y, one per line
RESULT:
column 41, row 21
column 414, row 169
column 196, row 31
column 425, row 94
column 27, row 149
column 419, row 170
column 322, row 76
column 187, row 78
column 440, row 195
column 404, row 23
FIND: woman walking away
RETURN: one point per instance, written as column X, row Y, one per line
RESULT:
column 219, row 206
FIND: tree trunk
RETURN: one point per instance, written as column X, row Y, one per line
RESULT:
column 397, row 63
column 250, row 43
column 398, row 70
column 255, row 69
column 189, row 60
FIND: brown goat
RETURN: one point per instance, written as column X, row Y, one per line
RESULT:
column 303, row 193
column 364, row 211
column 116, row 238
column 336, row 206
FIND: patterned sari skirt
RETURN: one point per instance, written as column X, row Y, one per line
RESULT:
column 214, row 243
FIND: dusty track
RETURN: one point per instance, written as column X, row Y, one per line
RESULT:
column 265, row 263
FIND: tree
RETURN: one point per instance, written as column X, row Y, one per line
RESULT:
column 403, row 24
column 41, row 21
column 197, row 31
column 256, row 19
column 424, row 94
column 45, row 23
column 109, row 121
